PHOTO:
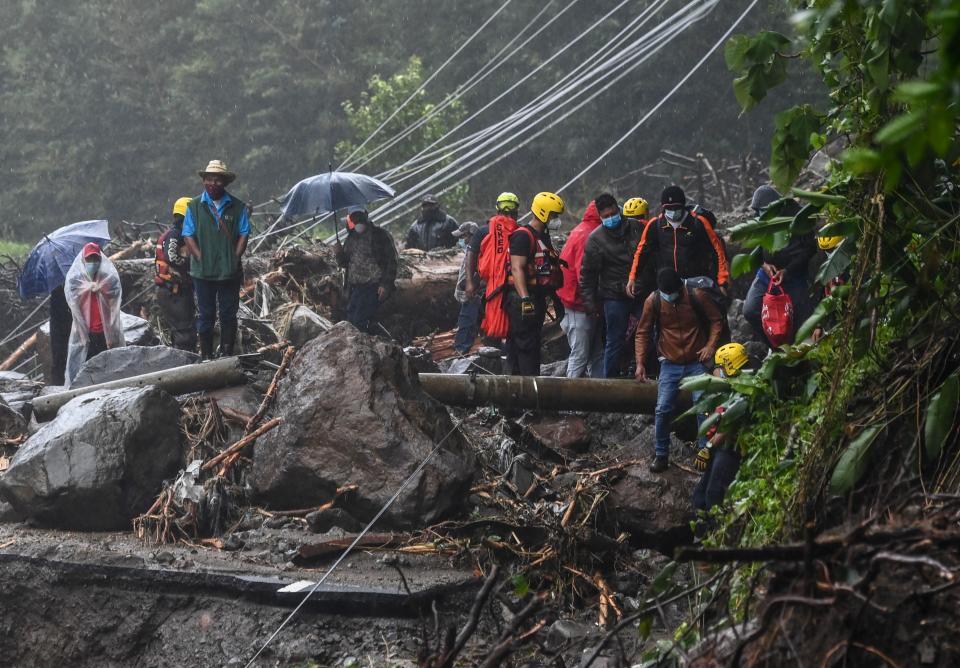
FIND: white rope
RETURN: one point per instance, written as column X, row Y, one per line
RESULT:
column 423, row 85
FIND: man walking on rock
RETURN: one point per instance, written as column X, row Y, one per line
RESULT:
column 215, row 229
column 690, row 325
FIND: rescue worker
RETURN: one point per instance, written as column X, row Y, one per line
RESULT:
column 468, row 323
column 683, row 238
column 689, row 326
column 174, row 287
column 534, row 276
column 828, row 245
column 215, row 229
column 581, row 325
column 93, row 292
column 508, row 205
column 719, row 460
column 603, row 277
column 433, row 229
column 787, row 266
column 369, row 257
column 636, row 209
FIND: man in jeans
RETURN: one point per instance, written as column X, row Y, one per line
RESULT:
column 215, row 229
column 582, row 327
column 690, row 326
column 468, row 323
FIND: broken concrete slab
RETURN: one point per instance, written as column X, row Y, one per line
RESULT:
column 353, row 412
column 100, row 463
column 129, row 361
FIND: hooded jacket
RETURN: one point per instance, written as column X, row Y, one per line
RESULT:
column 573, row 255
column 693, row 249
column 606, row 263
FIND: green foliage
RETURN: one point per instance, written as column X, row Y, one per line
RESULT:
column 14, row 249
column 940, row 420
column 853, row 461
column 792, row 143
column 761, row 62
column 521, row 586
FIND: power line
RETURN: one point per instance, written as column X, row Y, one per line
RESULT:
column 424, row 84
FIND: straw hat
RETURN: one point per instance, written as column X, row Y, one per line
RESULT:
column 218, row 167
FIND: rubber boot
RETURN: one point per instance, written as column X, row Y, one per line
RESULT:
column 228, row 339
column 206, row 345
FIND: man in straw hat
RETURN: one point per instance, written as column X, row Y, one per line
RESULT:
column 216, row 228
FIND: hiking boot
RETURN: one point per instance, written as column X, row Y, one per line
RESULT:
column 206, row 345
column 659, row 464
column 228, row 339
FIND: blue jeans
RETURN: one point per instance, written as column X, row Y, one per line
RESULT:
column 362, row 306
column 217, row 297
column 668, row 384
column 468, row 325
column 712, row 486
column 616, row 313
column 796, row 286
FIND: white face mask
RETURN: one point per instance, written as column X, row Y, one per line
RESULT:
column 675, row 216
column 360, row 228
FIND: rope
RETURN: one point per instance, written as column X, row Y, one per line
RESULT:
column 352, row 545
column 423, row 85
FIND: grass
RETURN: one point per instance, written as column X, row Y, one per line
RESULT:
column 15, row 249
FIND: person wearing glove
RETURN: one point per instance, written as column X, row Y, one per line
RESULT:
column 535, row 274
column 718, row 460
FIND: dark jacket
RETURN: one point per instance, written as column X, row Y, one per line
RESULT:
column 436, row 232
column 798, row 253
column 606, row 263
column 384, row 252
column 693, row 249
column 682, row 333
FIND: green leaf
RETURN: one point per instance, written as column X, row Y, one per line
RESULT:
column 734, row 413
column 861, row 160
column 746, row 263
column 836, row 263
column 941, row 415
column 735, row 52
column 842, row 228
column 662, row 582
column 709, row 421
column 900, row 128
column 706, row 404
column 819, row 198
column 521, row 586
column 704, row 382
column 915, row 92
column 819, row 313
column 644, row 627
column 758, row 64
column 853, row 461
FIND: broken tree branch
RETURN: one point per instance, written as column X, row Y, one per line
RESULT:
column 241, row 444
column 271, row 390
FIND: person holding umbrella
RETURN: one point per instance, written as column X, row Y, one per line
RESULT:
column 215, row 229
column 369, row 258
column 93, row 292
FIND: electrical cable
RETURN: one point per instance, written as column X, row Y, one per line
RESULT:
column 356, row 540
column 424, row 84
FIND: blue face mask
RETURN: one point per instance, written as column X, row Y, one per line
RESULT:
column 612, row 222
column 91, row 269
column 462, row 244
column 669, row 297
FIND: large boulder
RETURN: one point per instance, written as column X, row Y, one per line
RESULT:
column 298, row 324
column 353, row 412
column 136, row 332
column 129, row 361
column 12, row 422
column 100, row 463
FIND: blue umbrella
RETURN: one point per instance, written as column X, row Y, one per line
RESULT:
column 50, row 259
column 329, row 192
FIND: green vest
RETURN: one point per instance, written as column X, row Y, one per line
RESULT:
column 218, row 246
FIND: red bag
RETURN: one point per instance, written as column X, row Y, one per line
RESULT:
column 776, row 317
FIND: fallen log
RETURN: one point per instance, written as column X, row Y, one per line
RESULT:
column 546, row 393
column 179, row 380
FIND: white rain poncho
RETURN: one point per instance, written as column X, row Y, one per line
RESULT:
column 80, row 290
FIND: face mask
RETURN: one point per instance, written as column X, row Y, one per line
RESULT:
column 91, row 268
column 669, row 297
column 675, row 216
column 360, row 228
column 554, row 224
column 462, row 244
column 214, row 190
column 612, row 222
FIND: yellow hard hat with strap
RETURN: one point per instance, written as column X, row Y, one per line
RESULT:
column 635, row 207
column 180, row 206
column 545, row 204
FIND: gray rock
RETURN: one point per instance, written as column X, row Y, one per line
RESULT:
column 99, row 463
column 563, row 631
column 298, row 324
column 136, row 332
column 8, row 515
column 321, row 521
column 12, row 422
column 129, row 361
column 656, row 508
column 557, row 369
column 568, row 434
column 353, row 412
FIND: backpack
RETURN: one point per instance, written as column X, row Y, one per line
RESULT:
column 166, row 275
column 546, row 269
column 492, row 265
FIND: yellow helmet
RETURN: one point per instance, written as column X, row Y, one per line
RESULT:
column 828, row 243
column 180, row 206
column 544, row 204
column 635, row 207
column 731, row 358
column 507, row 201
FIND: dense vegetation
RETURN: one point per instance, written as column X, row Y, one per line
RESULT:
column 108, row 107
column 855, row 431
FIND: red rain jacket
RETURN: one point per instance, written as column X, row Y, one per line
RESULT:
column 573, row 255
